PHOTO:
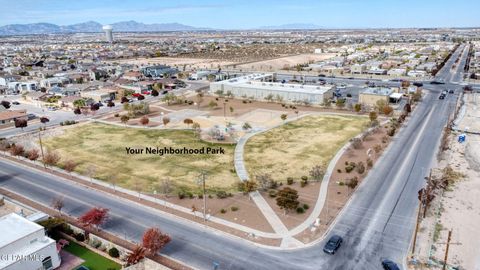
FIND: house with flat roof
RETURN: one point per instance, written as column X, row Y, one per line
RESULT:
column 26, row 246
column 370, row 96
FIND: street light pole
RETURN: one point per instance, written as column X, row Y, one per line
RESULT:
column 201, row 181
column 41, row 147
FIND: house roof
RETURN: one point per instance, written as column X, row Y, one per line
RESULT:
column 7, row 115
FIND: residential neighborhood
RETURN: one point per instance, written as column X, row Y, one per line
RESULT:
column 147, row 135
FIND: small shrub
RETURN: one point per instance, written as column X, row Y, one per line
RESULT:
column 80, row 237
column 369, row 163
column 272, row 193
column 341, row 183
column 357, row 143
column 289, row 180
column 339, row 170
column 210, row 196
column 305, row 206
column 304, row 178
column 200, row 196
column 190, row 195
column 391, row 131
column 360, row 167
column 349, row 168
column 303, row 183
column 346, row 163
column 181, row 195
column 113, row 252
column 377, row 148
column 117, row 115
column 223, row 211
column 300, row 210
column 234, row 208
column 222, row 194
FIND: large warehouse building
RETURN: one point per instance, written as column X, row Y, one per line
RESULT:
column 259, row 86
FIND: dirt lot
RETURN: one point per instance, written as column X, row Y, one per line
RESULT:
column 189, row 63
column 457, row 210
column 471, row 115
column 284, row 62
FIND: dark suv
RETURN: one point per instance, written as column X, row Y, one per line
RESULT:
column 389, row 265
column 333, row 244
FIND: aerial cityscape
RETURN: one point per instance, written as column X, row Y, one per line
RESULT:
column 326, row 135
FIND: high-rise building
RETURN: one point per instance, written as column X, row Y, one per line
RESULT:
column 108, row 33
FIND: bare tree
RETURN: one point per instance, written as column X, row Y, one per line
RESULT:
column 58, row 204
column 90, row 172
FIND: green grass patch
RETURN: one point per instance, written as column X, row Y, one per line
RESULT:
column 92, row 260
column 102, row 147
column 294, row 148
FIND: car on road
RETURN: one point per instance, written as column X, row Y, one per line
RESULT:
column 389, row 265
column 418, row 84
column 451, row 91
column 442, row 96
column 136, row 94
column 16, row 103
column 438, row 82
column 333, row 244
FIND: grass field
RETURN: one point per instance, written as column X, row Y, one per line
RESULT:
column 102, row 147
column 92, row 260
column 293, row 149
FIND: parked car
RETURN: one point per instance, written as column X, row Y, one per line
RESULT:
column 333, row 244
column 136, row 94
column 16, row 103
column 389, row 265
column 442, row 96
column 451, row 91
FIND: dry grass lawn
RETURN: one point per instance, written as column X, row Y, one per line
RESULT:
column 103, row 146
column 294, row 148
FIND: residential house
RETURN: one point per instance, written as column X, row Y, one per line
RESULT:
column 22, row 238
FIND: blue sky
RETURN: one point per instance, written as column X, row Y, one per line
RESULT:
column 236, row 14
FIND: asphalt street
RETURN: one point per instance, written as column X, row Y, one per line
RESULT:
column 377, row 223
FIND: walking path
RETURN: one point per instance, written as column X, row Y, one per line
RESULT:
column 266, row 209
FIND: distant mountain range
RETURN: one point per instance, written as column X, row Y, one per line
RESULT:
column 293, row 26
column 126, row 26
column 91, row 27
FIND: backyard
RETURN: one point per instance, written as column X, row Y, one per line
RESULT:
column 92, row 260
column 291, row 150
column 99, row 150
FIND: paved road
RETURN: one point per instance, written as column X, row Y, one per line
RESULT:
column 378, row 223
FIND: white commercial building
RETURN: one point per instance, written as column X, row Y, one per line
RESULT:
column 24, row 245
column 259, row 86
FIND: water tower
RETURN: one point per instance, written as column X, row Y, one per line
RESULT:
column 108, row 32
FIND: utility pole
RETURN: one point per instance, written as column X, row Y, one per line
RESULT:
column 201, row 180
column 428, row 190
column 416, row 227
column 446, row 250
column 41, row 147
